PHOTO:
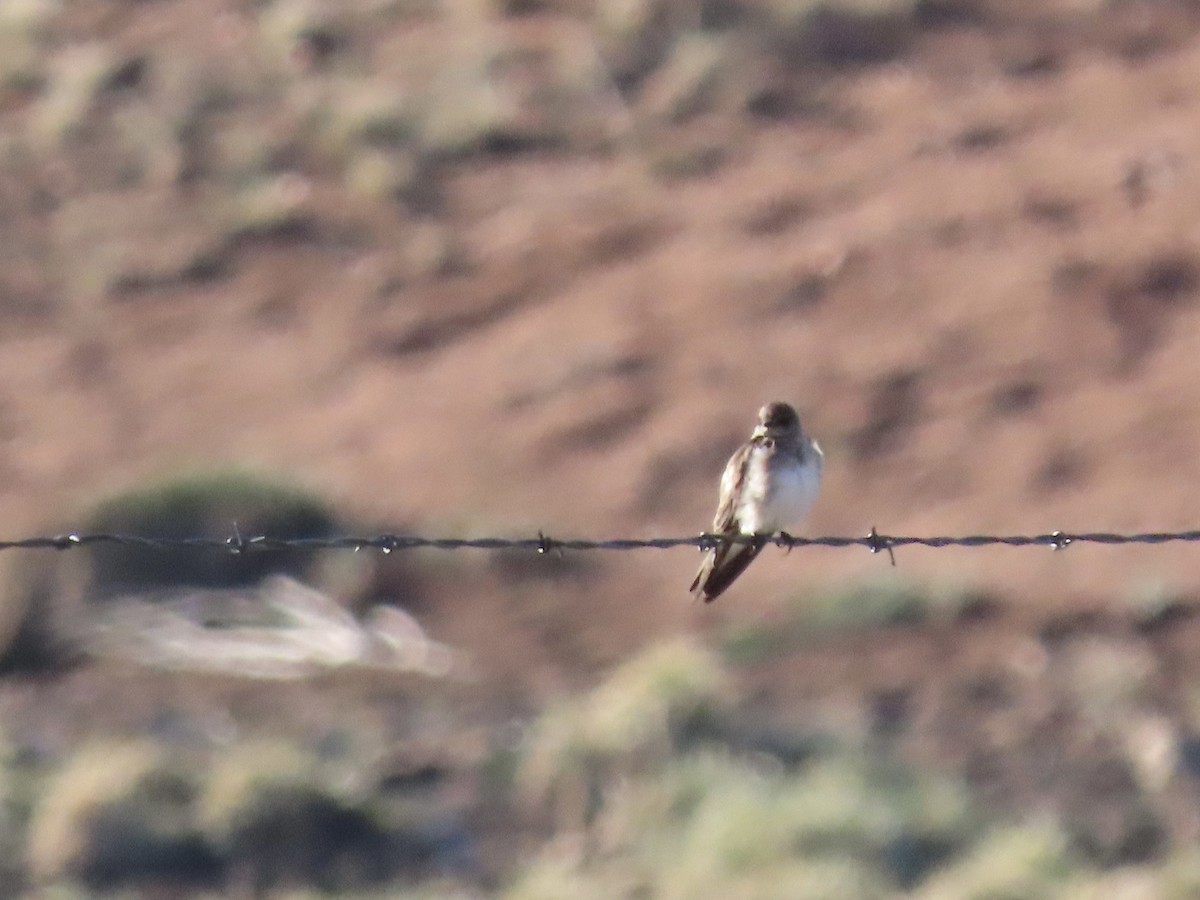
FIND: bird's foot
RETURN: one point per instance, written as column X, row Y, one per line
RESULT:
column 788, row 540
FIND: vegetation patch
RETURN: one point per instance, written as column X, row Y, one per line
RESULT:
column 210, row 505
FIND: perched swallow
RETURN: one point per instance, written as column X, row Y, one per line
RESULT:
column 769, row 484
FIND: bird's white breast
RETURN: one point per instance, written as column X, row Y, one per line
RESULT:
column 780, row 498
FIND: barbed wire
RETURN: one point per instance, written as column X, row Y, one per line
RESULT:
column 542, row 543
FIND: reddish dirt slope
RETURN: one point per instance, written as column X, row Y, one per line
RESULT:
column 974, row 269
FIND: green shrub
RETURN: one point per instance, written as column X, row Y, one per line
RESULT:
column 649, row 707
column 209, row 506
column 667, row 812
column 1025, row 862
column 23, row 28
column 117, row 812
column 712, row 823
column 887, row 602
column 14, row 813
column 276, row 818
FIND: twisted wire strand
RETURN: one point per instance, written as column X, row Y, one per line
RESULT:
column 541, row 543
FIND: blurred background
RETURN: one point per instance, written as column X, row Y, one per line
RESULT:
column 487, row 267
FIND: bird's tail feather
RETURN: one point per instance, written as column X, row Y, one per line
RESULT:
column 721, row 568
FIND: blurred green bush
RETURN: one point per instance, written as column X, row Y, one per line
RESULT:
column 207, row 505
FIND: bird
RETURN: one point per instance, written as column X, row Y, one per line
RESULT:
column 768, row 485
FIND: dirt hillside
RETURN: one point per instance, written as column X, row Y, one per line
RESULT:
column 494, row 270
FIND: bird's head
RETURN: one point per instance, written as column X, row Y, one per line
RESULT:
column 778, row 420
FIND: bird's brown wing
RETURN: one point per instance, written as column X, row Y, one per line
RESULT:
column 725, row 562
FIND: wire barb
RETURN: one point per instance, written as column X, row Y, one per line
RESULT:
column 235, row 543
column 877, row 542
column 1059, row 541
column 547, row 544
